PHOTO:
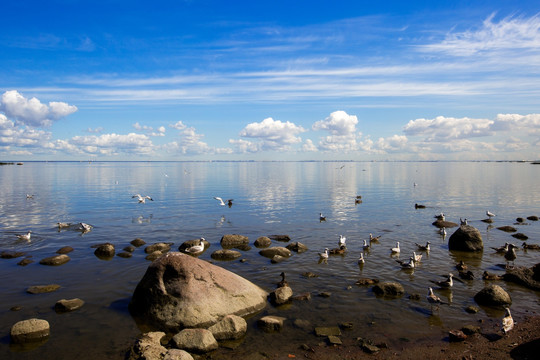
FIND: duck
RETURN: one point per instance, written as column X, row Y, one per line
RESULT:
column 338, row 251
column 195, row 249
column 283, row 282
column 432, row 298
column 461, row 266
column 530, row 246
column 407, row 264
column 448, row 283
column 507, row 322
column 510, row 255
column 63, row 225
column 358, row 199
column 501, row 249
column 25, row 237
column 466, row 275
column 396, row 250
column 342, row 240
column 361, row 260
column 324, row 255
column 142, row 199
column 321, row 217
column 418, row 206
column 374, row 238
column 422, row 247
column 489, row 276
column 29, row 196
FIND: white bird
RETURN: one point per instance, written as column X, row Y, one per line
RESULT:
column 142, row 199
column 417, row 257
column 29, row 196
column 507, row 322
column 448, row 283
column 321, row 217
column 361, row 259
column 366, row 246
column 26, row 236
column 432, row 298
column 463, row 221
column 442, row 231
column 85, row 227
column 422, row 247
column 396, row 250
column 342, row 240
column 223, row 203
column 439, row 216
column 196, row 248
column 490, row 214
column 324, row 255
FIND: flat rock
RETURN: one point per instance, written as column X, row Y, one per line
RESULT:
column 271, row 323
column 11, row 254
column 195, row 340
column 275, row 250
column 327, row 331
column 55, row 260
column 179, row 291
column 226, row 254
column 297, row 246
column 444, row 223
column 30, row 330
column 284, row 238
column 41, row 289
column 124, row 254
column 64, row 305
column 25, row 262
column 507, row 228
column 64, row 250
column 528, row 277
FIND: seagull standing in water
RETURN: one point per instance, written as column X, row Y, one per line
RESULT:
column 507, row 322
column 25, row 237
column 490, row 214
column 433, row 299
column 142, row 199
column 510, row 255
column 321, row 217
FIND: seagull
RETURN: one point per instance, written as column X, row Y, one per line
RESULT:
column 361, row 260
column 26, row 236
column 321, row 217
column 396, row 250
column 406, row 264
column 507, row 322
column 463, row 221
column 85, row 227
column 223, row 203
column 142, row 199
column 342, row 240
column 195, row 249
column 442, row 231
column 422, row 247
column 366, row 246
column 283, row 282
column 530, row 246
column 374, row 238
column 324, row 256
column 63, row 225
column 448, row 283
column 510, row 254
column 502, row 249
column 439, row 216
column 490, row 214
column 433, row 299
column 417, row 257
column 29, row 196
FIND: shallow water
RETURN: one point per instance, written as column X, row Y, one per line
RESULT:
column 269, row 198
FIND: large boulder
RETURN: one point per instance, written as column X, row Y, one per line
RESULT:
column 493, row 295
column 466, row 238
column 180, row 291
column 528, row 277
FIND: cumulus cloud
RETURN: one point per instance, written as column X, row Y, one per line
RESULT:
column 160, row 131
column 529, row 123
column 309, row 146
column 273, row 134
column 31, row 112
column 342, row 129
column 178, row 126
column 445, row 128
column 112, row 144
column 190, row 142
column 393, row 143
column 14, row 136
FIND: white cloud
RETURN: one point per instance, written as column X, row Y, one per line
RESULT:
column 178, row 126
column 445, row 128
column 31, row 112
column 273, row 134
column 309, row 146
column 95, row 130
column 393, row 143
column 529, row 123
column 190, row 142
column 150, row 130
column 109, row 144
column 244, row 146
column 342, row 129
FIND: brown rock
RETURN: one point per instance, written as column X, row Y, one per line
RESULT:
column 30, row 331
column 55, row 260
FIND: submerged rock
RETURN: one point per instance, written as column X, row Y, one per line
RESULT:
column 298, row 247
column 444, row 223
column 226, row 254
column 389, row 289
column 64, row 305
column 41, row 289
column 64, row 250
column 285, row 238
column 466, row 238
column 271, row 323
column 507, row 228
column 179, row 291
column 137, row 242
column 105, row 251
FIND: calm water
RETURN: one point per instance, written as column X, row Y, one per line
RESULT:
column 269, row 198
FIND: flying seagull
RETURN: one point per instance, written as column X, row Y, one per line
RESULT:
column 223, row 203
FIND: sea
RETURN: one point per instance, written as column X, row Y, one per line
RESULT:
column 269, row 198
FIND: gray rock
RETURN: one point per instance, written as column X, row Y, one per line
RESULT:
column 271, row 323
column 64, row 305
column 41, row 289
column 55, row 260
column 327, row 331
column 177, row 354
column 276, row 250
column 493, row 295
column 225, row 254
column 298, row 247
column 277, row 259
column 179, row 291
column 233, row 240
column 148, row 347
column 105, row 251
column 528, row 277
column 30, row 330
column 231, row 327
column 281, row 295
column 389, row 289
column 195, row 340
column 466, row 238
column 263, row 242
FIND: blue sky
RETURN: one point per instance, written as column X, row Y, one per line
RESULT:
column 279, row 80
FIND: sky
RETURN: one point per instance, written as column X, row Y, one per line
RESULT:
column 280, row 80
